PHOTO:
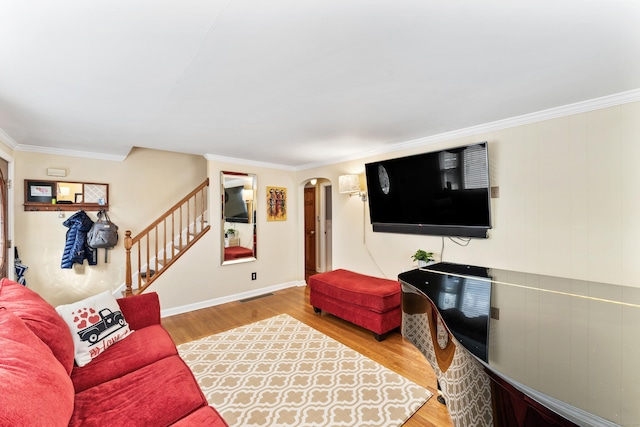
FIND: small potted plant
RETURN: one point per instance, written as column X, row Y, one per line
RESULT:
column 423, row 257
column 230, row 233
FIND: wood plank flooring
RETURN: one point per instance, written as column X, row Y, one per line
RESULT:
column 394, row 352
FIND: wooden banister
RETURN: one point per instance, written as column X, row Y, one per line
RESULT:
column 152, row 246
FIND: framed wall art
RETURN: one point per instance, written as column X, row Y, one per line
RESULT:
column 276, row 204
column 41, row 192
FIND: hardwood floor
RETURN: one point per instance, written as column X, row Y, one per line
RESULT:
column 394, row 352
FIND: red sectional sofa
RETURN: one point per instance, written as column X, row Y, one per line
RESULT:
column 138, row 381
column 370, row 302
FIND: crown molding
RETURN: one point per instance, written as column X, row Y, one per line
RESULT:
column 69, row 153
column 551, row 113
column 249, row 162
column 7, row 140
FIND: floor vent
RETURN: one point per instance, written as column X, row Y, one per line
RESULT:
column 256, row 297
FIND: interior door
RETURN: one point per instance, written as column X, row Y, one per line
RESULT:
column 310, row 233
column 4, row 244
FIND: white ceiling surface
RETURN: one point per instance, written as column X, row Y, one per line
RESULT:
column 297, row 83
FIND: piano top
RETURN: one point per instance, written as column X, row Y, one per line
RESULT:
column 573, row 340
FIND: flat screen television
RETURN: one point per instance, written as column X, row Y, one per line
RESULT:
column 442, row 193
column 235, row 208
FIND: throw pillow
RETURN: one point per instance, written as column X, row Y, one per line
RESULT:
column 96, row 323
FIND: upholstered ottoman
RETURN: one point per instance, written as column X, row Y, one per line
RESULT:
column 370, row 302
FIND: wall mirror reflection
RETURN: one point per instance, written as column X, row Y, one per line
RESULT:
column 238, row 227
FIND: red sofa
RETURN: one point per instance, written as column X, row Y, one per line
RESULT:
column 139, row 381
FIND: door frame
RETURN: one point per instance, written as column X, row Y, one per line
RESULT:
column 323, row 233
column 325, row 239
column 10, row 258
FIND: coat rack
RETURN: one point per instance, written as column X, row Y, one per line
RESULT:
column 42, row 195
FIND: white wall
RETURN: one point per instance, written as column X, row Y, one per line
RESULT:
column 199, row 276
column 568, row 203
column 568, row 206
column 141, row 188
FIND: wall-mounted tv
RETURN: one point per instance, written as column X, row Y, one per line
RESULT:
column 235, row 208
column 442, row 193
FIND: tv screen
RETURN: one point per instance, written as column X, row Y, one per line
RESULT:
column 235, row 208
column 443, row 193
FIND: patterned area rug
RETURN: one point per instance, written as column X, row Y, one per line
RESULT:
column 281, row 372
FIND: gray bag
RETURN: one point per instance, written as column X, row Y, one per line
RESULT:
column 103, row 233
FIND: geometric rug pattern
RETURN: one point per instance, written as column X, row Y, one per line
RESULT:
column 281, row 372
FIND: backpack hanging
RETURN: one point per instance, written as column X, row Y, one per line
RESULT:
column 19, row 267
column 103, row 233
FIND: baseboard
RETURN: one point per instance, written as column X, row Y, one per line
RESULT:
column 230, row 298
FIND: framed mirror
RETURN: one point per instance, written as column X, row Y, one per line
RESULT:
column 238, row 222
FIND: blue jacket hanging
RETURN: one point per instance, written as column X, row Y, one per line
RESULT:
column 76, row 249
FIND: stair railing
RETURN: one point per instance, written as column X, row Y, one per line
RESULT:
column 159, row 245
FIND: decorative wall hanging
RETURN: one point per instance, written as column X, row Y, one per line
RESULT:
column 276, row 204
column 95, row 193
column 40, row 192
column 43, row 195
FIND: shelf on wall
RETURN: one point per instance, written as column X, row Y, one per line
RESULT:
column 43, row 195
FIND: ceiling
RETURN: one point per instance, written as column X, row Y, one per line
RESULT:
column 297, row 83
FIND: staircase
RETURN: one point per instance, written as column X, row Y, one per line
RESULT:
column 159, row 245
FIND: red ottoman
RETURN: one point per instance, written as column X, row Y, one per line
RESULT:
column 367, row 301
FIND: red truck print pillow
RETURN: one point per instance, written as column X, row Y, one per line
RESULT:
column 96, row 323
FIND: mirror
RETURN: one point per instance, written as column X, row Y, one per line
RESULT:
column 238, row 227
